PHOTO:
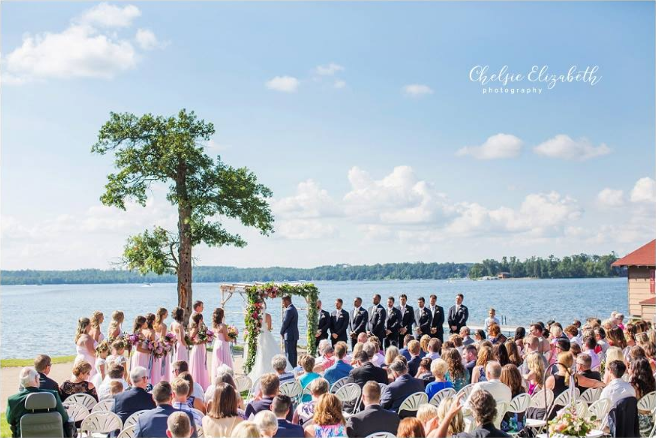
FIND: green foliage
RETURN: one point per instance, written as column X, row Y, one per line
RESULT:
column 151, row 252
column 575, row 266
column 5, row 430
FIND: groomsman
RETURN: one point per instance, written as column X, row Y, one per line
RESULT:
column 359, row 320
column 437, row 324
column 407, row 318
column 377, row 317
column 458, row 315
column 339, row 322
column 424, row 318
column 392, row 324
column 324, row 324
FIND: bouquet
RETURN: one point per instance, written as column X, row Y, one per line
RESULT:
column 156, row 349
column 169, row 340
column 133, row 340
column 233, row 333
column 204, row 336
column 569, row 423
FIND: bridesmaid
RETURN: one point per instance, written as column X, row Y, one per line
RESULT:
column 115, row 328
column 85, row 345
column 221, row 353
column 97, row 319
column 160, row 370
column 198, row 355
column 180, row 350
column 140, row 353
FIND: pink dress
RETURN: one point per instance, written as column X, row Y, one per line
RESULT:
column 160, row 370
column 139, row 359
column 221, row 354
column 83, row 355
column 179, row 352
column 198, row 365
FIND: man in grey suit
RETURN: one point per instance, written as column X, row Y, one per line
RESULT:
column 289, row 329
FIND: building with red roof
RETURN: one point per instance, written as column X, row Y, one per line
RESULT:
column 641, row 266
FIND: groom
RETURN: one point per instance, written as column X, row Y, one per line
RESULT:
column 289, row 329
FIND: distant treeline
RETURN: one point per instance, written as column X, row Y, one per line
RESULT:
column 577, row 266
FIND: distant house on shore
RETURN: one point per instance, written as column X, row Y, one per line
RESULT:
column 503, row 275
column 641, row 265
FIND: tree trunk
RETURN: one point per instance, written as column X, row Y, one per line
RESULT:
column 185, row 296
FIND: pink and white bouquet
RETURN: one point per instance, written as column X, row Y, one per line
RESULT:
column 133, row 340
column 204, row 336
column 570, row 423
column 170, row 340
column 233, row 333
column 157, row 348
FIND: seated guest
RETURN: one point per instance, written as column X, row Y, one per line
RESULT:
column 423, row 343
column 246, row 429
column 378, row 357
column 180, row 389
column 116, row 356
column 270, row 386
column 182, row 366
column 642, row 380
column 339, row 369
column 402, row 386
column 115, row 373
column 222, row 416
column 560, row 380
column 390, row 356
column 617, row 389
column 511, row 377
column 29, row 384
column 484, row 356
column 326, row 360
column 439, row 369
column 479, row 336
column 405, row 351
column 178, row 425
column 413, row 363
column 266, row 423
column 470, row 356
column 78, row 383
column 366, row 371
column 465, row 334
column 434, row 348
column 457, row 341
column 424, row 372
column 583, row 365
column 457, row 424
column 305, row 411
column 456, row 374
column 373, row 418
column 535, row 364
column 115, row 388
column 484, row 411
column 281, row 407
column 492, row 384
column 532, row 345
column 427, row 413
column 328, row 418
column 136, row 398
column 307, row 362
column 154, row 422
column 410, row 428
column 43, row 364
column 192, row 401
column 590, row 344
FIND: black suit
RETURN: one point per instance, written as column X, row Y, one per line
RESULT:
column 393, row 324
column 323, row 325
column 133, row 400
column 458, row 318
column 371, row 420
column 424, row 318
column 407, row 321
column 377, row 316
column 438, row 323
column 413, row 365
column 339, row 322
column 358, row 324
column 46, row 382
column 367, row 372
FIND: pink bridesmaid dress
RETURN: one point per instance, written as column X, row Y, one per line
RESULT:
column 139, row 359
column 198, row 365
column 221, row 354
column 160, row 368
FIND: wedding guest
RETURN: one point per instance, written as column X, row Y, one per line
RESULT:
column 495, row 336
column 535, row 372
column 612, row 354
column 192, row 400
column 307, row 362
column 115, row 388
column 479, row 336
column 457, row 423
column 424, row 341
column 410, row 428
column 511, row 377
column 267, row 424
column 373, row 348
column 180, row 391
column 434, row 347
column 84, row 343
column 491, row 319
column 115, row 326
column 281, row 407
column 221, row 354
column 469, row 359
column 160, row 369
column 413, row 363
column 222, row 416
column 339, row 369
column 326, row 359
column 427, row 413
column 642, row 380
column 78, row 383
column 366, row 371
column 270, row 386
column 456, row 373
column 373, row 418
column 484, row 356
column 97, row 318
column 583, row 364
column 439, row 369
column 514, row 355
column 500, row 354
column 115, row 373
column 43, row 365
column 492, row 384
column 222, row 376
column 617, row 389
column 197, row 308
column 328, row 418
column 180, row 367
column 180, row 350
column 465, row 334
column 520, row 334
column 402, row 386
column 424, row 372
column 405, row 352
column 390, row 356
column 153, row 423
column 136, row 398
column 178, row 425
column 484, row 410
column 246, row 429
column 305, row 411
column 198, row 355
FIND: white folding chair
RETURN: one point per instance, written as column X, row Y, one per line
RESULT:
column 243, row 383
column 412, row 402
column 381, row 435
column 254, row 386
column 132, row 419
column 104, row 405
column 599, row 409
column 648, row 402
column 84, row 399
column 200, row 433
column 292, row 389
column 349, row 393
column 465, row 391
column 502, row 408
column 441, row 395
column 542, row 399
column 76, row 412
column 127, row 432
column 338, row 384
column 101, row 422
column 591, row 395
column 519, row 404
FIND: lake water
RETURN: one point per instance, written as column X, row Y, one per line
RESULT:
column 42, row 319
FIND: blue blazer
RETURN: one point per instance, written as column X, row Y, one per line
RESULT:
column 289, row 329
column 289, row 430
column 398, row 390
column 152, row 424
column 133, row 400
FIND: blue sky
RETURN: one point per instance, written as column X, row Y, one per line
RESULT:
column 380, row 176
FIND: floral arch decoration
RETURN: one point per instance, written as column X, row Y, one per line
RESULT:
column 257, row 293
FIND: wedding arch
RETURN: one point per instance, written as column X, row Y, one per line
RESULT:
column 255, row 295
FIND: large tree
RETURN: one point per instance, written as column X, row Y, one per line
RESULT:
column 154, row 149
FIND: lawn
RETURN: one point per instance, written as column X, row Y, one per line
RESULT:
column 5, row 431
column 5, row 363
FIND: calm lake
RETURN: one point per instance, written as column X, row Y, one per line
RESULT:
column 42, row 319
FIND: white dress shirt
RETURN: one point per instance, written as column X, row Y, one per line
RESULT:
column 616, row 390
column 499, row 391
column 104, row 390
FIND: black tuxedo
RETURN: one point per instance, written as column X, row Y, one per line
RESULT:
column 367, row 372
column 438, row 322
column 358, row 324
column 393, row 324
column 377, row 316
column 423, row 318
column 323, row 325
column 407, row 321
column 458, row 317
column 339, row 322
column 371, row 420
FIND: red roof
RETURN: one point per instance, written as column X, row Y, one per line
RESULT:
column 649, row 302
column 643, row 256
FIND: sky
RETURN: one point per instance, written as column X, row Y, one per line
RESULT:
column 369, row 122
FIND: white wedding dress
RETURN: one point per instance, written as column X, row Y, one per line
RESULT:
column 267, row 347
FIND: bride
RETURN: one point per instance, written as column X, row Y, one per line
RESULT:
column 267, row 347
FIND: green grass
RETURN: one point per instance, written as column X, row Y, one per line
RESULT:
column 6, row 363
column 5, row 431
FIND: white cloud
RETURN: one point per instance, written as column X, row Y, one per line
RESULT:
column 106, row 15
column 286, row 84
column 310, row 201
column 215, row 147
column 305, row 229
column 146, row 39
column 610, row 198
column 495, row 147
column 644, row 190
column 328, row 70
column 339, row 84
column 564, row 147
column 417, row 90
